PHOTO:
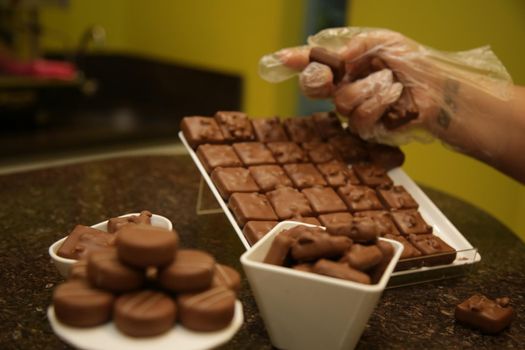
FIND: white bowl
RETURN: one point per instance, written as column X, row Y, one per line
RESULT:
column 303, row 310
column 64, row 264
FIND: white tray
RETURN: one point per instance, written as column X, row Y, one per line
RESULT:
column 442, row 227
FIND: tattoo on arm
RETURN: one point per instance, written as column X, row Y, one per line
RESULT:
column 450, row 92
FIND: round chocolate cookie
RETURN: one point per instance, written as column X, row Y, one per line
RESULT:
column 207, row 311
column 144, row 245
column 145, row 313
column 192, row 270
column 78, row 304
column 227, row 277
column 106, row 271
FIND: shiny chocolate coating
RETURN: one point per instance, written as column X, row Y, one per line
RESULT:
column 190, row 271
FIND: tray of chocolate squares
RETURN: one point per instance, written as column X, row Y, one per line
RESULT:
column 314, row 170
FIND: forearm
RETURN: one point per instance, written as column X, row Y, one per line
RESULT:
column 485, row 127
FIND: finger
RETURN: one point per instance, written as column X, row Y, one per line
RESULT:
column 349, row 96
column 283, row 64
column 316, row 81
column 365, row 117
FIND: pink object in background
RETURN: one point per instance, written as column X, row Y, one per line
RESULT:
column 39, row 68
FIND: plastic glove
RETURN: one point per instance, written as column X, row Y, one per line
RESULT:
column 388, row 74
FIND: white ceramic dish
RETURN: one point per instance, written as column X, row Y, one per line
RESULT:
column 303, row 310
column 466, row 253
column 108, row 337
column 64, row 265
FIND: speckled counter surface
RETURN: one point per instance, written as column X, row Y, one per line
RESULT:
column 39, row 207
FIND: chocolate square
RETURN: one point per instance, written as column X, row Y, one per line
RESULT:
column 327, row 124
column 253, row 153
column 255, row 230
column 324, row 200
column 409, row 251
column 251, row 206
column 410, row 222
column 307, row 220
column 289, row 202
column 320, row 152
column 359, row 198
column 269, row 130
column 489, row 316
column 287, row 152
column 328, row 220
column 385, row 156
column 235, row 126
column 434, row 249
column 213, row 156
column 337, row 173
column 384, row 220
column 301, row 129
column 372, row 175
column 349, row 147
column 304, row 175
column 229, row 180
column 269, row 177
column 198, row 130
column 397, row 197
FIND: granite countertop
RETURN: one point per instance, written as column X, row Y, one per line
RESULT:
column 39, row 207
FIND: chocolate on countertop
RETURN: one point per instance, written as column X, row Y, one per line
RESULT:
column 51, row 201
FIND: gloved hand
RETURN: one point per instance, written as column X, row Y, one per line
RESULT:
column 393, row 89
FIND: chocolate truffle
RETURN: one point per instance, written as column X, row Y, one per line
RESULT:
column 213, row 156
column 289, row 202
column 235, row 126
column 229, row 180
column 304, row 175
column 253, row 153
column 269, row 130
column 251, row 206
column 337, row 173
column 269, row 177
column 359, row 198
column 324, row 200
column 287, row 152
column 199, row 130
column 301, row 129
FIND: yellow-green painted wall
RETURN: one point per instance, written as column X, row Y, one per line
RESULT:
column 458, row 25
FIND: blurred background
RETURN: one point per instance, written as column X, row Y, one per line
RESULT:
column 80, row 77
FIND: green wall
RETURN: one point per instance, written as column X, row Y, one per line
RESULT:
column 450, row 26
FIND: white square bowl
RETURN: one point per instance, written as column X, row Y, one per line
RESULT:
column 64, row 265
column 303, row 310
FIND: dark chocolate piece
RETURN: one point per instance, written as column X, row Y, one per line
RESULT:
column 330, row 59
column 253, row 153
column 289, row 202
column 314, row 243
column 359, row 198
column 324, row 200
column 301, row 129
column 207, row 311
column 213, row 156
column 320, row 152
column 487, row 315
column 372, row 175
column 78, row 304
column 199, row 130
column 385, row 156
column 269, row 177
column 143, row 246
column 287, row 152
column 434, row 249
column 350, row 148
column 269, row 130
column 106, row 271
column 327, row 124
column 340, row 270
column 144, row 313
column 225, row 276
column 304, row 175
column 337, row 173
column 363, row 257
column 410, row 222
column 235, row 126
column 230, row 180
column 84, row 239
column 251, row 206
column 190, row 271
column 255, row 230
column 397, row 197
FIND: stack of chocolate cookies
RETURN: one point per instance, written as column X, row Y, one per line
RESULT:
column 313, row 170
column 145, row 283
